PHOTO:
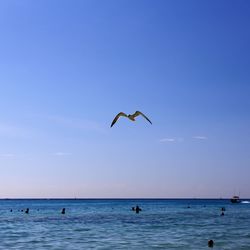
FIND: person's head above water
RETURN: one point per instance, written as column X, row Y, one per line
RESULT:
column 210, row 243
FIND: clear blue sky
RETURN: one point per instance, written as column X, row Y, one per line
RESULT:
column 68, row 67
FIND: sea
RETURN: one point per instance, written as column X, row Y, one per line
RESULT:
column 185, row 224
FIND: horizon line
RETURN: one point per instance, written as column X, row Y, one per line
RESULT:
column 151, row 198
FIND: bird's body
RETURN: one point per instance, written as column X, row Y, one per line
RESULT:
column 130, row 117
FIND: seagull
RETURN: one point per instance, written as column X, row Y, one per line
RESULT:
column 130, row 117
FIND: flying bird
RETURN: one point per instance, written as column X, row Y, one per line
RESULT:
column 130, row 117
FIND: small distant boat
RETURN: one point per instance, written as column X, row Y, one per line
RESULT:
column 235, row 199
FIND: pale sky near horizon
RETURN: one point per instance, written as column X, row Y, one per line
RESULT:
column 68, row 67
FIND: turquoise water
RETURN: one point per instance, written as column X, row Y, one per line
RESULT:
column 111, row 224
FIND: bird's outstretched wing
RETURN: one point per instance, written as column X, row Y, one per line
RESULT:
column 116, row 118
column 140, row 113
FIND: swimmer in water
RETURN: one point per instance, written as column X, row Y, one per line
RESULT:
column 210, row 243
